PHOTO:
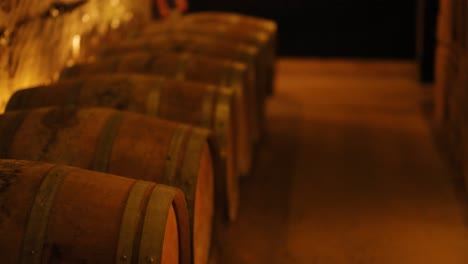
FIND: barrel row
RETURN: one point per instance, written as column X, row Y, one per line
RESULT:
column 175, row 104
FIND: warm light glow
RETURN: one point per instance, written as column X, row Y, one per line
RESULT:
column 115, row 23
column 3, row 41
column 73, row 34
column 76, row 43
column 85, row 18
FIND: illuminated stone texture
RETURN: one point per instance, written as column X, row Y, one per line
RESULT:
column 38, row 38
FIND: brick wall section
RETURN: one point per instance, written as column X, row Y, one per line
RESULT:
column 37, row 36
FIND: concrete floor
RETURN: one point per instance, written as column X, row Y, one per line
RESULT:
column 348, row 174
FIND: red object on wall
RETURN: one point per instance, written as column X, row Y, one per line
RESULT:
column 164, row 7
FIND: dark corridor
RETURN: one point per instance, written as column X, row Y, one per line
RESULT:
column 337, row 28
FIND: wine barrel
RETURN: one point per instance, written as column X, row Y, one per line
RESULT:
column 243, row 21
column 124, row 144
column 254, row 23
column 197, row 104
column 59, row 214
column 204, row 46
column 186, row 67
column 226, row 32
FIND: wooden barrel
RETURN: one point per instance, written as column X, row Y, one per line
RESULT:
column 197, row 104
column 205, row 46
column 186, row 67
column 58, row 214
column 254, row 23
column 236, row 33
column 124, row 144
column 243, row 21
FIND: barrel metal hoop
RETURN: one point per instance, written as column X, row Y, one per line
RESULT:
column 106, row 142
column 174, row 150
column 222, row 118
column 207, row 106
column 9, row 131
column 34, row 238
column 190, row 168
column 154, row 97
column 233, row 79
column 130, row 221
column 154, row 226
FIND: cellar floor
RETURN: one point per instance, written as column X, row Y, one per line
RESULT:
column 348, row 173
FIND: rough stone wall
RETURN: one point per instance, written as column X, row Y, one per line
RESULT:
column 451, row 88
column 38, row 38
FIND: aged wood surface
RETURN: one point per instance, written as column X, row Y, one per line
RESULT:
column 39, row 38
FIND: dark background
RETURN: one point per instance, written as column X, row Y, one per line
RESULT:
column 333, row 28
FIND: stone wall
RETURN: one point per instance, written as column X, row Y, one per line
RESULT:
column 38, row 38
column 451, row 87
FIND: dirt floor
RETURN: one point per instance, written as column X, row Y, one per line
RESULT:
column 348, row 174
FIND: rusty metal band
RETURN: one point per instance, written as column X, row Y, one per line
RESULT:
column 181, row 69
column 130, row 221
column 36, row 229
column 207, row 106
column 154, row 226
column 190, row 167
column 106, row 142
column 233, row 79
column 222, row 122
column 73, row 96
column 174, row 149
column 8, row 131
column 154, row 97
column 250, row 57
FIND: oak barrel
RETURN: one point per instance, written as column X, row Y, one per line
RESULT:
column 254, row 23
column 244, row 21
column 187, row 67
column 204, row 46
column 59, row 214
column 124, row 144
column 264, row 42
column 197, row 104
